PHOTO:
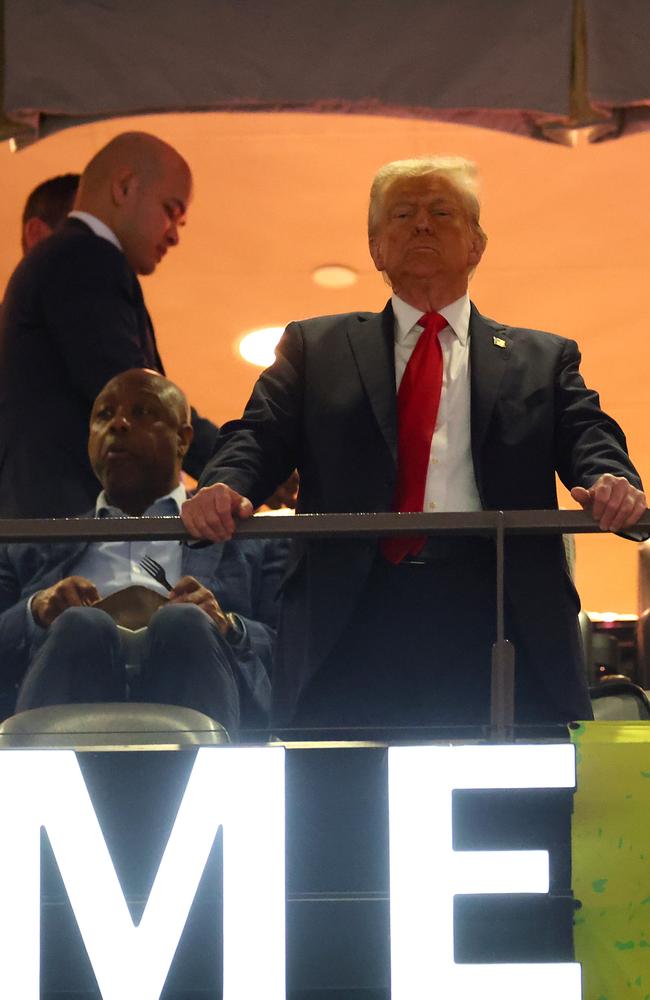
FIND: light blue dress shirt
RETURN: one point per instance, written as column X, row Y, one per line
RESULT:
column 113, row 566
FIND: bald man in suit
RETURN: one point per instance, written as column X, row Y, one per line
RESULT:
column 74, row 316
column 208, row 645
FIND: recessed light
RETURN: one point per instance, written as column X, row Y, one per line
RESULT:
column 258, row 346
column 335, row 276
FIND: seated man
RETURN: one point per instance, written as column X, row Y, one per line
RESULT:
column 208, row 647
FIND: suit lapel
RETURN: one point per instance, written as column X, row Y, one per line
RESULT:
column 149, row 336
column 59, row 561
column 372, row 343
column 489, row 350
column 203, row 563
column 154, row 347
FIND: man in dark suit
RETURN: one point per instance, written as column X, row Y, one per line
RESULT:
column 208, row 647
column 426, row 406
column 74, row 316
column 47, row 208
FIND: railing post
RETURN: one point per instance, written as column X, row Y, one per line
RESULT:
column 502, row 687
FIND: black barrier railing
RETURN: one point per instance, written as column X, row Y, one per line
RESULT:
column 496, row 524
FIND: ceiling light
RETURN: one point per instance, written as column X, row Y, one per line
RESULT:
column 335, row 276
column 258, row 346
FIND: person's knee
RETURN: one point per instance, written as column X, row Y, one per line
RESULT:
column 176, row 622
column 79, row 660
column 85, row 625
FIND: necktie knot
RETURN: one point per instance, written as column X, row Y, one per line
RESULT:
column 432, row 322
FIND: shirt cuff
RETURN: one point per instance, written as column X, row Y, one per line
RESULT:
column 33, row 628
column 237, row 636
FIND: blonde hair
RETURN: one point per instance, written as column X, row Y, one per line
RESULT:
column 460, row 172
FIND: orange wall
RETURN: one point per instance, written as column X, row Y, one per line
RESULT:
column 278, row 195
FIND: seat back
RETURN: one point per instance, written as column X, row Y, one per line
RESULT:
column 619, row 699
column 111, row 726
column 644, row 577
column 605, row 656
column 643, row 648
column 586, row 632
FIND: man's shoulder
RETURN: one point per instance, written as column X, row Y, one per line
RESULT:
column 336, row 321
column 57, row 548
column 75, row 237
column 73, row 249
column 519, row 336
column 324, row 331
column 29, row 562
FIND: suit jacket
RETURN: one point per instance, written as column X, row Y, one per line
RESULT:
column 243, row 575
column 73, row 317
column 328, row 406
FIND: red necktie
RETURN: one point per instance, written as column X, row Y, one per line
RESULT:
column 418, row 400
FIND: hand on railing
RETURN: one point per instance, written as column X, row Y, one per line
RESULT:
column 612, row 501
column 212, row 513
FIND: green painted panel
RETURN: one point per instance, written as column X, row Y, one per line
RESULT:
column 611, row 859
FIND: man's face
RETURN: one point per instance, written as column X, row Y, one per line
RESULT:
column 425, row 233
column 152, row 212
column 137, row 439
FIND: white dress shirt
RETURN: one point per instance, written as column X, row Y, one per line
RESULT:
column 451, row 484
column 98, row 227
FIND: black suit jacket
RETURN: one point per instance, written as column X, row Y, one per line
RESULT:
column 328, row 406
column 73, row 317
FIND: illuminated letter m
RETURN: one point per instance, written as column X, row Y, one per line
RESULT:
column 241, row 790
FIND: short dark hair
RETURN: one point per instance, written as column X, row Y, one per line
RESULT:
column 52, row 200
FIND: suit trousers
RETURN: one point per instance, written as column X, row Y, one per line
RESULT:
column 185, row 662
column 417, row 649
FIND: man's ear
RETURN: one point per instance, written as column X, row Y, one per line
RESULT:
column 375, row 252
column 185, row 435
column 34, row 231
column 122, row 185
column 478, row 243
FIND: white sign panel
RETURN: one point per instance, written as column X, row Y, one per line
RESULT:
column 241, row 790
column 426, row 872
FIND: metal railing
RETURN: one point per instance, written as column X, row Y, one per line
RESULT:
column 496, row 524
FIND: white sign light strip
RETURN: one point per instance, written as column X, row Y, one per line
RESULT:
column 20, row 881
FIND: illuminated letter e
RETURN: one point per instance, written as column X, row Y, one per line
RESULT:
column 426, row 873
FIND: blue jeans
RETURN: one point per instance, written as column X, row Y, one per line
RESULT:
column 185, row 662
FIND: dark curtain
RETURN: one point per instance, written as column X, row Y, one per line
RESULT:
column 618, row 61
column 500, row 63
column 535, row 67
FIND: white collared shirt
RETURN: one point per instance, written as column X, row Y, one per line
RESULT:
column 451, row 484
column 98, row 227
column 113, row 566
